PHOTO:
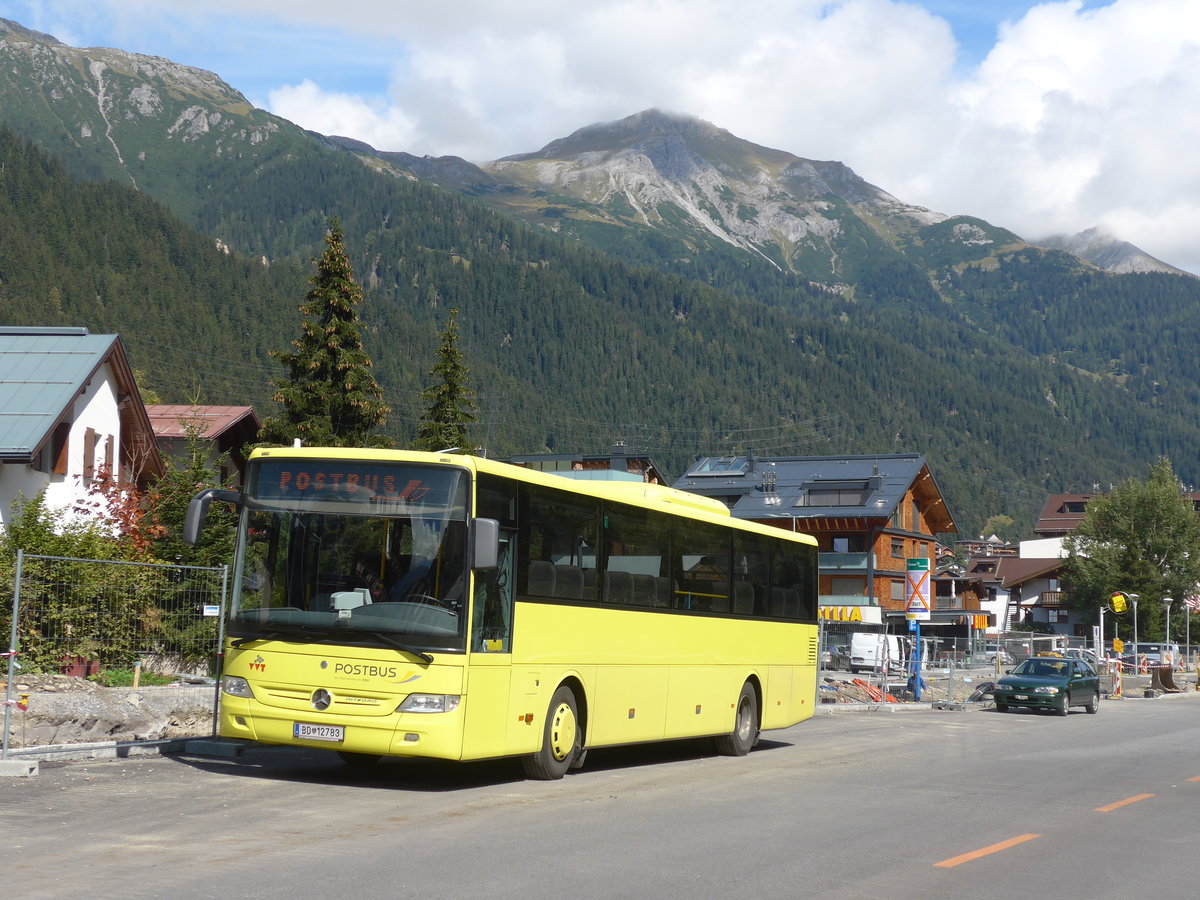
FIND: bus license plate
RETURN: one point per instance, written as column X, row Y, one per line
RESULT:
column 309, row 732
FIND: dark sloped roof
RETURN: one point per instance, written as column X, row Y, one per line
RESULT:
column 818, row 487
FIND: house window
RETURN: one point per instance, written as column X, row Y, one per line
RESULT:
column 897, row 548
column 89, row 454
column 1057, row 616
column 916, row 516
column 60, row 446
column 898, row 516
column 840, row 494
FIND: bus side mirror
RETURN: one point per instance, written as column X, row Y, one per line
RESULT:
column 193, row 522
column 485, row 544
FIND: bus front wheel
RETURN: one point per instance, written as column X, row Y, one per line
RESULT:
column 562, row 739
column 745, row 727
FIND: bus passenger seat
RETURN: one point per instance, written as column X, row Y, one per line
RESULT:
column 568, row 582
column 743, row 598
column 643, row 590
column 663, row 593
column 618, row 587
column 541, row 578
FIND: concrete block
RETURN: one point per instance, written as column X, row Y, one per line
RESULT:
column 213, row 747
column 18, row 768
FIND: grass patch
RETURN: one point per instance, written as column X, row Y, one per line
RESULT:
column 124, row 678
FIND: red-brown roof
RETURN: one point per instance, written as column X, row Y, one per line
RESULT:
column 173, row 421
column 1061, row 514
column 1014, row 570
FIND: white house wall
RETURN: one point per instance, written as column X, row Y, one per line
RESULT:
column 1042, row 548
column 17, row 480
column 95, row 407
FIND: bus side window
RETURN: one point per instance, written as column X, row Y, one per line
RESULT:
column 493, row 598
column 493, row 602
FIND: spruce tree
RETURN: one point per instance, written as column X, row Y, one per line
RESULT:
column 449, row 401
column 330, row 397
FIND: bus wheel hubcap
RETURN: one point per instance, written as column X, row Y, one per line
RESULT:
column 562, row 732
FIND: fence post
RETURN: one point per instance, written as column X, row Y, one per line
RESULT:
column 12, row 654
column 220, row 649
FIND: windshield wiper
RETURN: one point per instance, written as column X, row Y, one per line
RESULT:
column 269, row 633
column 264, row 634
column 382, row 637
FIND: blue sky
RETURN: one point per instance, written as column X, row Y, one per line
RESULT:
column 1040, row 117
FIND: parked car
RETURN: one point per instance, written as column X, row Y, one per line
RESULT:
column 870, row 652
column 1088, row 656
column 991, row 651
column 1049, row 682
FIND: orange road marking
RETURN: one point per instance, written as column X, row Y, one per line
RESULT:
column 1124, row 802
column 984, row 851
column 1197, row 778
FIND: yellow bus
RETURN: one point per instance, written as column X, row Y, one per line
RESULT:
column 392, row 603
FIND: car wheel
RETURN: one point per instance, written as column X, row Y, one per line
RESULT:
column 1093, row 705
column 1001, row 707
column 1064, row 703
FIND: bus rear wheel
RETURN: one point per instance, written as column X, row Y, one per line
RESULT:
column 745, row 727
column 562, row 739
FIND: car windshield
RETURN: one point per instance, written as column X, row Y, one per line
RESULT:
column 1043, row 667
column 354, row 553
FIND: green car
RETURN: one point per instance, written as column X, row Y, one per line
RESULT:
column 1049, row 682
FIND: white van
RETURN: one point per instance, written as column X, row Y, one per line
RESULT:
column 872, row 652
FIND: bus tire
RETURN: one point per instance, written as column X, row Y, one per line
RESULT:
column 562, row 739
column 745, row 725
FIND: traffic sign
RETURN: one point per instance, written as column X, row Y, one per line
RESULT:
column 916, row 594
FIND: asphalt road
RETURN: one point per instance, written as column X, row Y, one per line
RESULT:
column 913, row 804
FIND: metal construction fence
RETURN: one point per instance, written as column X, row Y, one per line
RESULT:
column 86, row 616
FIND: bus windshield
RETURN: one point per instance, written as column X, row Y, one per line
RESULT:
column 354, row 553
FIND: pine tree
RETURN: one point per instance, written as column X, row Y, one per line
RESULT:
column 449, row 402
column 330, row 397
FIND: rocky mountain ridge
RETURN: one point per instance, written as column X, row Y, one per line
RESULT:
column 669, row 174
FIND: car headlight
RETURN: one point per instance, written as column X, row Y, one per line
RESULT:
column 1045, row 690
column 429, row 703
column 236, row 687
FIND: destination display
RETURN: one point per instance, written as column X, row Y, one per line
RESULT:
column 378, row 483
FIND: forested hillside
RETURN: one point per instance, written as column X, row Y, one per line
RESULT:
column 569, row 348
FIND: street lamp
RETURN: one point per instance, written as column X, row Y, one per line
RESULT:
column 1167, row 601
column 1133, row 598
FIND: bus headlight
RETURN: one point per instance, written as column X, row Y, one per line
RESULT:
column 236, row 687
column 429, row 703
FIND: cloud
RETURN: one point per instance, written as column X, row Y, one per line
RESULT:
column 1080, row 117
column 1081, row 114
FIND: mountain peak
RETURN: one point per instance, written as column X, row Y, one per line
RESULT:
column 9, row 27
column 680, row 174
column 1102, row 248
column 610, row 136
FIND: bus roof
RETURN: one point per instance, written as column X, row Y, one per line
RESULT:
column 667, row 499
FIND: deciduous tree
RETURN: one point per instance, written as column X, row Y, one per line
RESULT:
column 1142, row 538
